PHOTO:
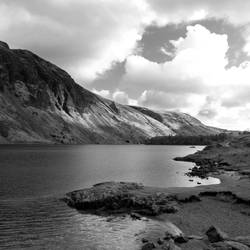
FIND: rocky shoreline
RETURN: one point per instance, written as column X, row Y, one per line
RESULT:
column 202, row 212
column 121, row 197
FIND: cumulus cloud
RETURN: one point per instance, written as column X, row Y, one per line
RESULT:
column 209, row 109
column 195, row 81
column 160, row 99
column 103, row 93
column 199, row 60
column 121, row 97
column 117, row 96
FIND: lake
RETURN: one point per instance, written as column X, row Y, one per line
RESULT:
column 33, row 178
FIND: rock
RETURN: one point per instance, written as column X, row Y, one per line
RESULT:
column 169, row 209
column 195, row 237
column 243, row 239
column 173, row 232
column 109, row 219
column 5, row 45
column 160, row 241
column 214, row 234
column 169, row 245
column 148, row 246
column 185, row 198
column 245, row 172
column 135, row 216
column 181, row 239
column 117, row 197
column 144, row 240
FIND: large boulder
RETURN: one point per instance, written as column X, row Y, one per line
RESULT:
column 214, row 234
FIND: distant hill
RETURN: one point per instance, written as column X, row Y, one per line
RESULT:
column 41, row 103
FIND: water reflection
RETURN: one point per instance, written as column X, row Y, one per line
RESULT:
column 44, row 170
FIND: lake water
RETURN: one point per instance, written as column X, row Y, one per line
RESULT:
column 33, row 178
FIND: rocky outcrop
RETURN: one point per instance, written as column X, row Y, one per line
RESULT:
column 214, row 239
column 231, row 155
column 39, row 102
column 120, row 197
column 136, row 200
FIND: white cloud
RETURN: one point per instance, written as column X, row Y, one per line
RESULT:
column 121, row 97
column 198, row 64
column 117, row 96
column 103, row 93
column 195, row 81
column 160, row 99
column 199, row 14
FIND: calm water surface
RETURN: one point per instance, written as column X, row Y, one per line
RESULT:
column 33, row 178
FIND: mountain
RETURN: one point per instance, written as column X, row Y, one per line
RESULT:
column 41, row 103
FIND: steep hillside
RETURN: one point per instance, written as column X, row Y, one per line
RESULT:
column 180, row 123
column 40, row 102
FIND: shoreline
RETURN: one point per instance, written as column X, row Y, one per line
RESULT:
column 193, row 210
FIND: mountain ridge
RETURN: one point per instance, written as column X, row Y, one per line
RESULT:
column 41, row 103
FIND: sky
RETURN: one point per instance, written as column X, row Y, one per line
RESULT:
column 190, row 56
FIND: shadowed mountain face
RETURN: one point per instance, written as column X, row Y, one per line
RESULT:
column 40, row 102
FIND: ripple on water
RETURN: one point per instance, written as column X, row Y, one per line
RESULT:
column 36, row 223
